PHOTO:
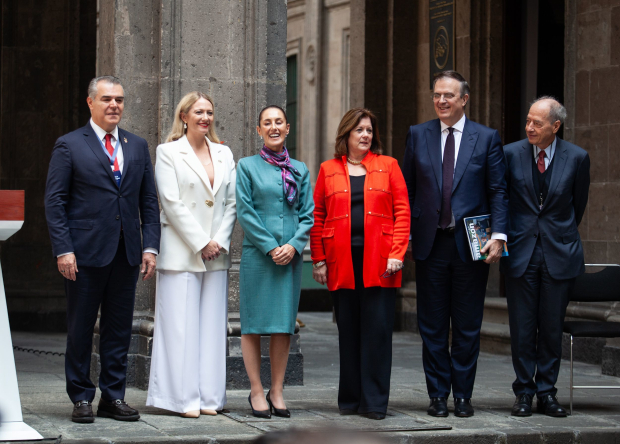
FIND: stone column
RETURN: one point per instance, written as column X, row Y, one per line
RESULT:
column 161, row 50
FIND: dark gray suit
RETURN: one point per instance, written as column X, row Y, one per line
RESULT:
column 545, row 256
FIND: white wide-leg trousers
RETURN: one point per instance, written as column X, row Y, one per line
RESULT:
column 188, row 363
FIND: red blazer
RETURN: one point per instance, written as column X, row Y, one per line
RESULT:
column 386, row 221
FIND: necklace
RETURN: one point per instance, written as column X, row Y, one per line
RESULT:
column 353, row 162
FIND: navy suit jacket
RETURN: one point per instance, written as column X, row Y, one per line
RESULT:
column 479, row 185
column 556, row 224
column 84, row 207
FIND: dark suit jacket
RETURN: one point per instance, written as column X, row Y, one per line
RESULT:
column 557, row 222
column 479, row 185
column 85, row 208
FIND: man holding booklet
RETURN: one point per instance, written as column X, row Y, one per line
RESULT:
column 454, row 168
column 548, row 181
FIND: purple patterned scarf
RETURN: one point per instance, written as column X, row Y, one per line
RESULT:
column 284, row 162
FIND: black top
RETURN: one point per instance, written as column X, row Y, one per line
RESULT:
column 357, row 210
column 541, row 181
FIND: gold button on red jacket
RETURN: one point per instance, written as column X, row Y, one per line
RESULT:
column 386, row 221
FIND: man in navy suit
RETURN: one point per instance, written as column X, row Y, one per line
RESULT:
column 548, row 181
column 454, row 168
column 100, row 196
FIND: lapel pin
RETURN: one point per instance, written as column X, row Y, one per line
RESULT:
column 125, row 139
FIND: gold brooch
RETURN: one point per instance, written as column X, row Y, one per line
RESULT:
column 209, row 203
column 125, row 139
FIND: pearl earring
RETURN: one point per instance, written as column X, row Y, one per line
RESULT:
column 185, row 125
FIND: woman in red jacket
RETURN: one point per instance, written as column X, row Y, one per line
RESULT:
column 359, row 239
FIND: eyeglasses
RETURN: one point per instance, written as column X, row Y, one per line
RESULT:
column 447, row 96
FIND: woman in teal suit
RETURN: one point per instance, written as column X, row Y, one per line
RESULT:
column 274, row 208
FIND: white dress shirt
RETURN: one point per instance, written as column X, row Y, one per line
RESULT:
column 101, row 133
column 549, row 152
column 458, row 135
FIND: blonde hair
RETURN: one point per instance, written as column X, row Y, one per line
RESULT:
column 184, row 106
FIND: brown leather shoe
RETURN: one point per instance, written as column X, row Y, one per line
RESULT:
column 83, row 412
column 117, row 409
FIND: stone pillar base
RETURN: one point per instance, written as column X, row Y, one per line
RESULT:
column 138, row 358
column 141, row 347
column 236, row 376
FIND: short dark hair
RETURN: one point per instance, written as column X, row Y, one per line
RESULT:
column 260, row 115
column 456, row 76
column 348, row 123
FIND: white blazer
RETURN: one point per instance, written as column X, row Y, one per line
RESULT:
column 192, row 212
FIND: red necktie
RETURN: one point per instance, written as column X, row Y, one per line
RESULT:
column 108, row 146
column 541, row 161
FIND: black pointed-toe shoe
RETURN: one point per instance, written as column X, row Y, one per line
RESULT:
column 264, row 414
column 282, row 413
column 522, row 405
column 463, row 408
column 549, row 405
column 438, row 407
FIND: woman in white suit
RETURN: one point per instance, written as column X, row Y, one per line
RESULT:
column 195, row 177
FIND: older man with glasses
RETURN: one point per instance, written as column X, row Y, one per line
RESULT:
column 454, row 168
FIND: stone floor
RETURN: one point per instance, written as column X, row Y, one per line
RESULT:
column 596, row 417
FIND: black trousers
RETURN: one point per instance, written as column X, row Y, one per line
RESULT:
column 450, row 292
column 112, row 287
column 536, row 309
column 365, row 318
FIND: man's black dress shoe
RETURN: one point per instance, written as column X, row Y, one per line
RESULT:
column 346, row 412
column 375, row 415
column 438, row 407
column 283, row 413
column 83, row 412
column 264, row 414
column 463, row 407
column 522, row 405
column 117, row 409
column 550, row 406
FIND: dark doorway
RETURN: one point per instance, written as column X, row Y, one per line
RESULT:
column 533, row 59
column 48, row 56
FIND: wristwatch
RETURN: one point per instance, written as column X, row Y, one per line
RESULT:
column 319, row 264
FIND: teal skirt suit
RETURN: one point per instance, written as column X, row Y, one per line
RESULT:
column 269, row 293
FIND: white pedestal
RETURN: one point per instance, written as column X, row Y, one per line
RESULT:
column 12, row 427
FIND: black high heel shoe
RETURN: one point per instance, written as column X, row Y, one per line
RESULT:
column 283, row 413
column 265, row 414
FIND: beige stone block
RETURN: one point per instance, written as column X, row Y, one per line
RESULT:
column 615, row 36
column 593, row 32
column 604, row 96
column 595, row 141
column 462, row 25
column 595, row 252
column 613, row 252
column 423, row 23
column 423, row 74
column 604, row 209
column 463, row 54
column 603, row 4
column 614, row 153
column 582, row 98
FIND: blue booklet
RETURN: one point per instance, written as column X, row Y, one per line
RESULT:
column 478, row 230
